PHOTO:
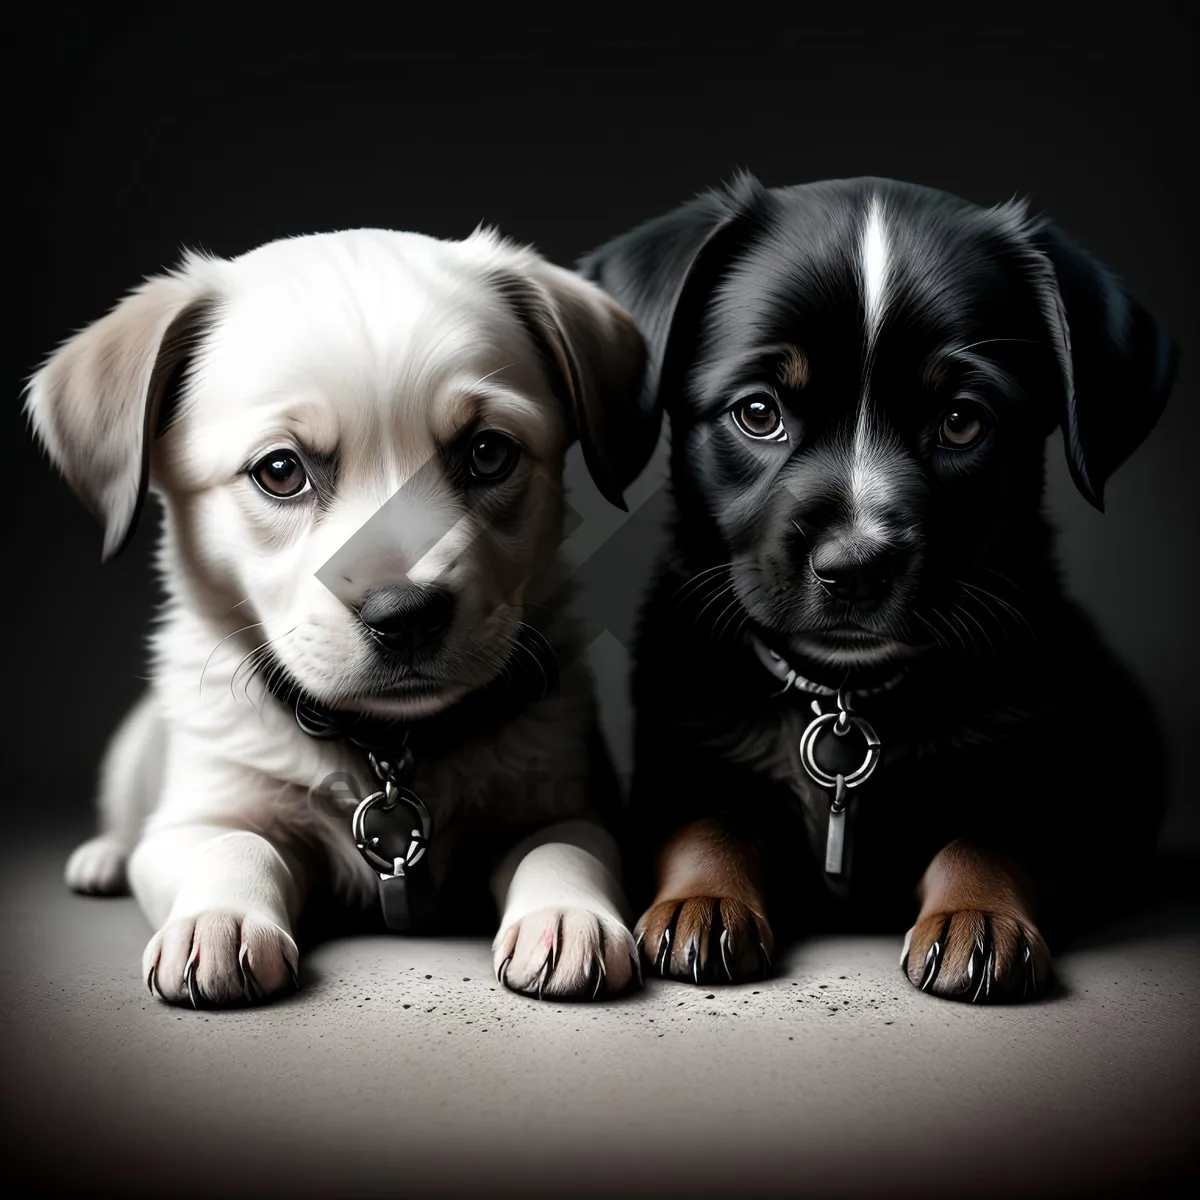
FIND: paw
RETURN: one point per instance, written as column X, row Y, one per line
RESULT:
column 706, row 939
column 981, row 957
column 220, row 959
column 565, row 954
column 97, row 868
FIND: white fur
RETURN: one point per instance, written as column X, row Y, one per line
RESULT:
column 372, row 344
column 874, row 254
column 868, row 484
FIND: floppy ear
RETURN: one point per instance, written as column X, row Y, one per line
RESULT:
column 595, row 357
column 1117, row 364
column 664, row 272
column 99, row 400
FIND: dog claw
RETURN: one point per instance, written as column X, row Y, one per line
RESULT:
column 601, row 975
column 189, row 977
column 250, row 985
column 904, row 951
column 766, row 960
column 543, row 975
column 980, row 966
column 983, row 964
column 151, row 981
column 502, row 972
column 933, row 958
column 694, row 958
column 724, row 954
column 1030, row 971
column 664, row 947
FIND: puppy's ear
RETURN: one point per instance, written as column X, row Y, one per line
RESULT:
column 664, row 273
column 595, row 357
column 99, row 400
column 1117, row 363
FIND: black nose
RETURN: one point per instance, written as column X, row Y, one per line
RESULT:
column 407, row 620
column 849, row 577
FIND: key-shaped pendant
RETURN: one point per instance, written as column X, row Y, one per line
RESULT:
column 835, row 838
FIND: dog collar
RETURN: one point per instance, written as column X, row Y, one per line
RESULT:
column 839, row 748
column 392, row 826
column 783, row 670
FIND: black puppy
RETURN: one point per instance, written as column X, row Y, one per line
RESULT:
column 857, row 673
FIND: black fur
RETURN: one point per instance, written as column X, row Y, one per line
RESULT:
column 1013, row 721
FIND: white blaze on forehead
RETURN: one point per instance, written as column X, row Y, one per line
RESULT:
column 874, row 261
column 869, row 482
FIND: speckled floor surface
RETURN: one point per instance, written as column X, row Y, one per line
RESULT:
column 401, row 1069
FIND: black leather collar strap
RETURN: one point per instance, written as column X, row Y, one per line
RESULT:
column 791, row 678
column 392, row 826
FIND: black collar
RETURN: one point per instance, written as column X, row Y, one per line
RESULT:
column 527, row 679
column 860, row 685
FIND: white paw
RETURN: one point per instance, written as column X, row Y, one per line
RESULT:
column 220, row 958
column 566, row 954
column 97, row 868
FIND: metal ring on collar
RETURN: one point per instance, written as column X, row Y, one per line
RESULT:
column 808, row 746
column 387, row 801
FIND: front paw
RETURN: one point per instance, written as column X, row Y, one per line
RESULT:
column 97, row 868
column 981, row 957
column 706, row 939
column 220, row 959
column 565, row 954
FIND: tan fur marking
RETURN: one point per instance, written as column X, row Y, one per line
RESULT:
column 793, row 369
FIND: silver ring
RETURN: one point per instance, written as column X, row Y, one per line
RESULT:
column 386, row 801
column 809, row 741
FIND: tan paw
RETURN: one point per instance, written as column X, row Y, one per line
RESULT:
column 565, row 954
column 220, row 959
column 706, row 939
column 980, row 957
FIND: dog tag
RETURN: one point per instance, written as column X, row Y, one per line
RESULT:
column 835, row 838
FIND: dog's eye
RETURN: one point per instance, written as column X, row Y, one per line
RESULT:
column 280, row 474
column 757, row 415
column 492, row 456
column 962, row 428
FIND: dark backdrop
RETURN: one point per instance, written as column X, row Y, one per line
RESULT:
column 135, row 133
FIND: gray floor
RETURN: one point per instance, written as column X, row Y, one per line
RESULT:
column 402, row 1069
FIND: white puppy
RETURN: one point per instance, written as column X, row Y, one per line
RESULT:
column 358, row 439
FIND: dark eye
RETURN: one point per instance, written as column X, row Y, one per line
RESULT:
column 757, row 416
column 963, row 427
column 280, row 474
column 492, row 456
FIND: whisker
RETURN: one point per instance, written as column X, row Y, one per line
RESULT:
column 723, row 590
column 219, row 645
column 992, row 341
column 1010, row 608
column 967, row 613
column 255, row 651
column 937, row 637
column 691, row 583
